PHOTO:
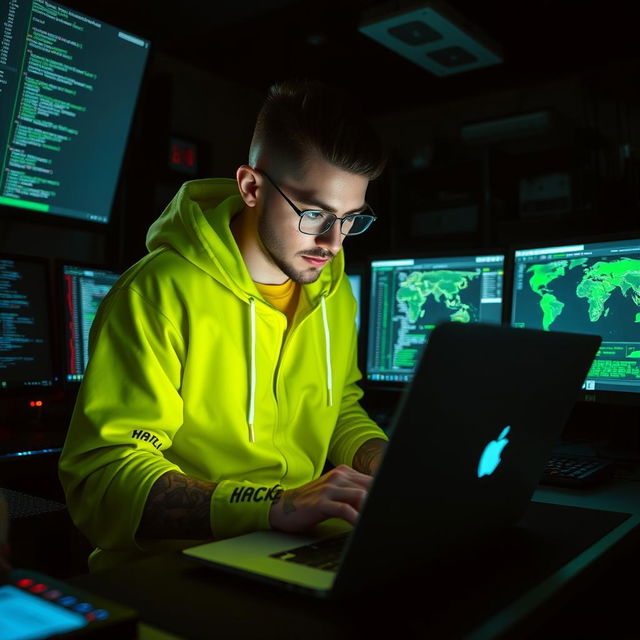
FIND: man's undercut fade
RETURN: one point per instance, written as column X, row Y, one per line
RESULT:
column 301, row 119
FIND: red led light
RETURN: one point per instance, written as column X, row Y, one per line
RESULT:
column 39, row 588
column 183, row 155
column 90, row 616
column 24, row 583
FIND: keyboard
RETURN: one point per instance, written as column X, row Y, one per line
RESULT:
column 24, row 505
column 323, row 554
column 576, row 471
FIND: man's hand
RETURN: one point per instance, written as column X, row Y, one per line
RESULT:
column 340, row 493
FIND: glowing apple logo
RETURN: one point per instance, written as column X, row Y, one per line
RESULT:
column 490, row 458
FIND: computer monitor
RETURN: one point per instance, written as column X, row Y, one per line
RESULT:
column 586, row 287
column 26, row 360
column 409, row 296
column 355, row 279
column 69, row 85
column 83, row 288
column 28, row 379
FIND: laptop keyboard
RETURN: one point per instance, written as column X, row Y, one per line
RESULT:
column 323, row 554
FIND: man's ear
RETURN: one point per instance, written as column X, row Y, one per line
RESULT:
column 249, row 183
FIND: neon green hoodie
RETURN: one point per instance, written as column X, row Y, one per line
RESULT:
column 191, row 370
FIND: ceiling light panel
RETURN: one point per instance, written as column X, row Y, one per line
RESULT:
column 433, row 37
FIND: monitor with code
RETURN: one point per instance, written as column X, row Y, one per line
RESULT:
column 68, row 89
column 84, row 288
column 586, row 288
column 25, row 334
column 410, row 296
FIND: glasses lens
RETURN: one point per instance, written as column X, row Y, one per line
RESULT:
column 318, row 222
column 354, row 225
column 315, row 222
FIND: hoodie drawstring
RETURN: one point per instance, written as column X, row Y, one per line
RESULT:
column 327, row 343
column 252, row 396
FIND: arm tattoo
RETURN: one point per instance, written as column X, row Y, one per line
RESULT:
column 287, row 503
column 177, row 507
column 369, row 455
column 287, row 498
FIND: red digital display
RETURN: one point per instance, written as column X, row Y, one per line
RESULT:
column 183, row 156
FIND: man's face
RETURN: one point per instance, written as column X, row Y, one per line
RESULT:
column 299, row 256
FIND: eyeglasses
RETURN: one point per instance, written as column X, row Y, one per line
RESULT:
column 316, row 222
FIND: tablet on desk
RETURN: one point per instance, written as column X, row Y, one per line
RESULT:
column 35, row 606
column 24, row 616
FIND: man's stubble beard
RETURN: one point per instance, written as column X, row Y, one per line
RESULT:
column 272, row 245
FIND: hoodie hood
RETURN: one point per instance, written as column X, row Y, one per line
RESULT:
column 196, row 225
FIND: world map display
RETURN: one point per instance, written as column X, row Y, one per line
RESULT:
column 440, row 295
column 426, row 298
column 576, row 294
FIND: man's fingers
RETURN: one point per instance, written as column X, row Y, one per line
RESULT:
column 345, row 476
column 339, row 493
column 353, row 496
column 341, row 510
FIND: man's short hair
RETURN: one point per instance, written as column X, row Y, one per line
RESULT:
column 303, row 118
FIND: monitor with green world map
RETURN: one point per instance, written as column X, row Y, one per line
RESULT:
column 409, row 296
column 586, row 287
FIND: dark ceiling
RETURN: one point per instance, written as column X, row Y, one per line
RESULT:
column 258, row 41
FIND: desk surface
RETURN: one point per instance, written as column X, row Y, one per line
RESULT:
column 496, row 593
column 618, row 495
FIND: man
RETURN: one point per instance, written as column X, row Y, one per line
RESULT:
column 222, row 371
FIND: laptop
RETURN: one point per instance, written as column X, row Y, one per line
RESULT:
column 468, row 444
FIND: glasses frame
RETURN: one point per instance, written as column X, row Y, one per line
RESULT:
column 302, row 212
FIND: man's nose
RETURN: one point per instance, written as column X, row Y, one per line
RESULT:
column 331, row 240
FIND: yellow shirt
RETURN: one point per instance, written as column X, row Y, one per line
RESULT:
column 284, row 297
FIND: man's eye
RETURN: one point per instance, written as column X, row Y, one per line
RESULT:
column 314, row 215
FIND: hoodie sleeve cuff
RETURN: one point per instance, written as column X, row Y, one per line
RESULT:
column 239, row 507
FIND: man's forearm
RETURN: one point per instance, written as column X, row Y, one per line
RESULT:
column 369, row 455
column 178, row 507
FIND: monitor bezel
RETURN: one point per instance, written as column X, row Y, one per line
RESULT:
column 591, row 396
column 458, row 252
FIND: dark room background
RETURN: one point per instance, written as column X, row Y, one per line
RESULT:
column 573, row 65
column 542, row 147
